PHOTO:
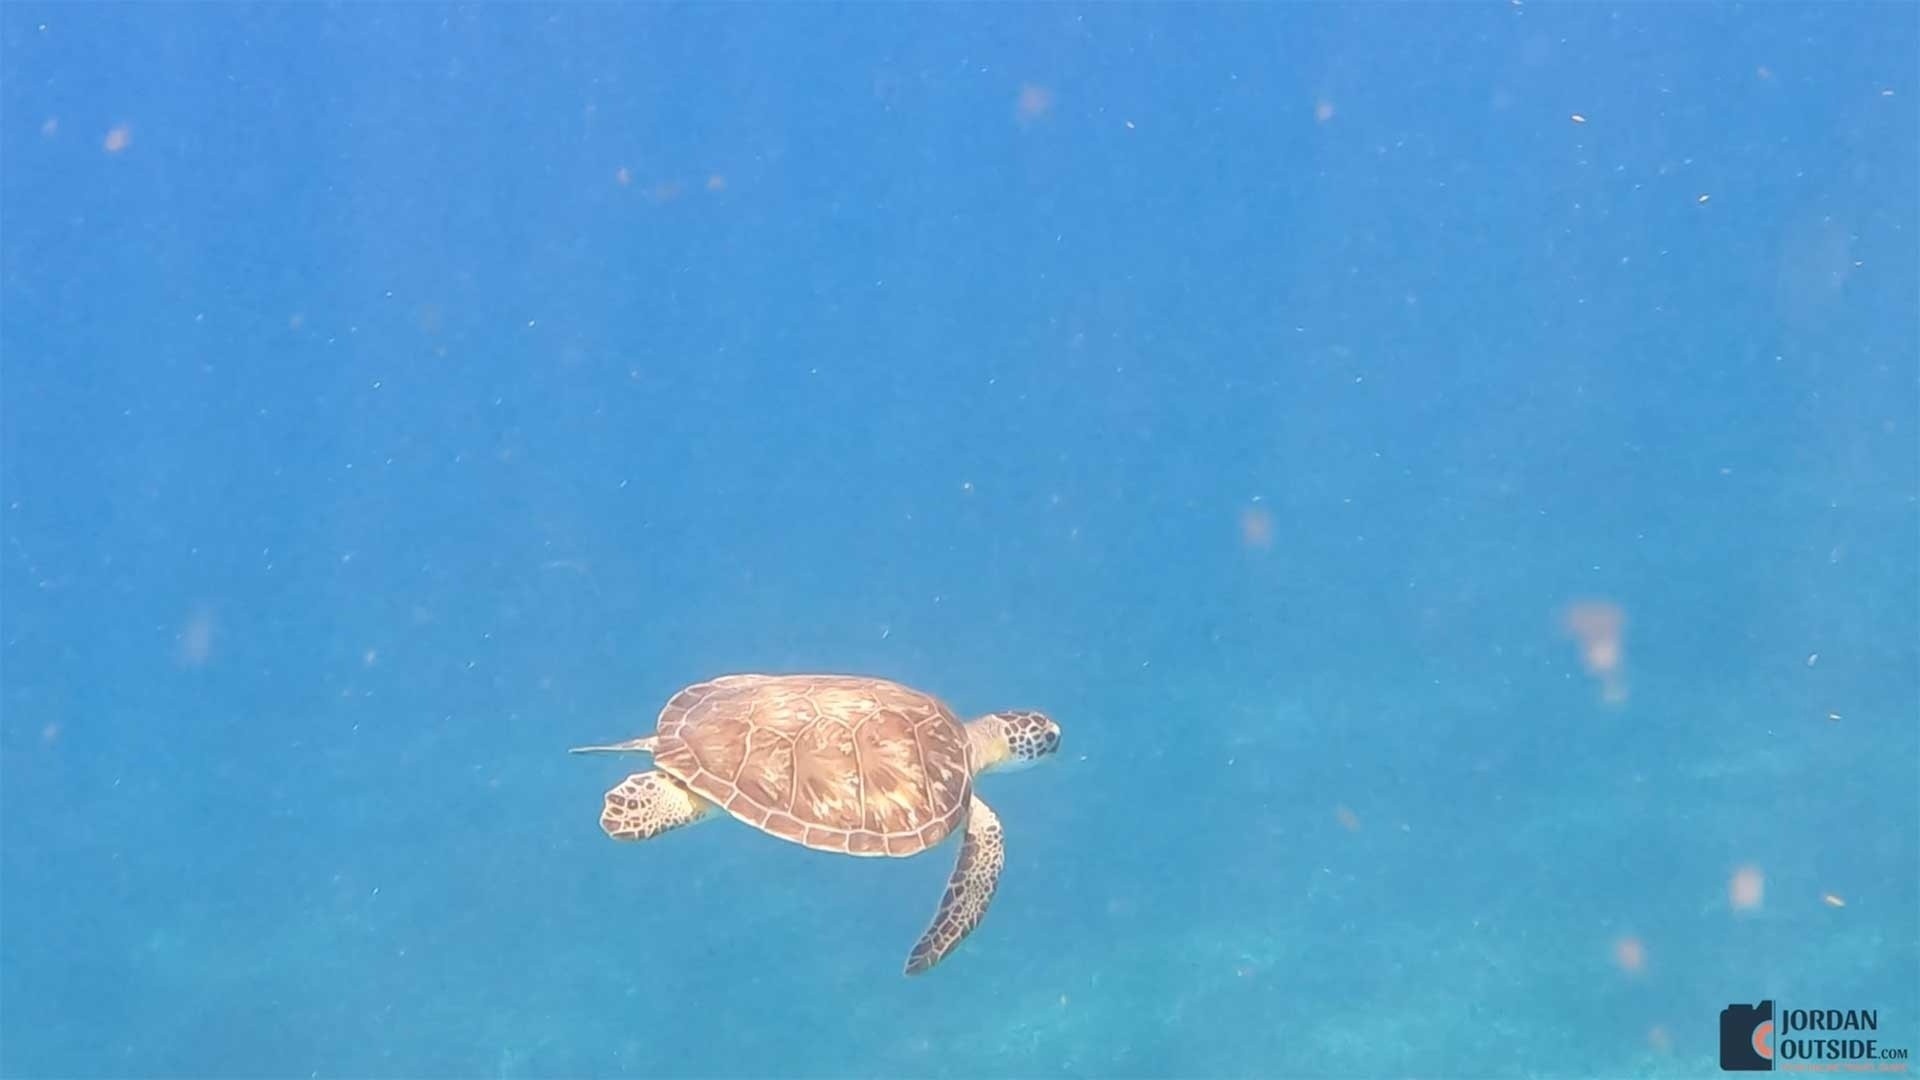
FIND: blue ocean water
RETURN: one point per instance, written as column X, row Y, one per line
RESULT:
column 1450, row 470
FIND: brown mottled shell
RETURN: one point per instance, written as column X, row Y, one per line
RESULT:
column 835, row 762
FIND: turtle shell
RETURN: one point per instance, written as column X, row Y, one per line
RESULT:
column 839, row 763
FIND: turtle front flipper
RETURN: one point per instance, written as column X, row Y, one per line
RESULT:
column 649, row 803
column 975, row 875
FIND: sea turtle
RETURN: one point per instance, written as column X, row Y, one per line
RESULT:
column 842, row 763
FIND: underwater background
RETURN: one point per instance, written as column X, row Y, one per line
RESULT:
column 1450, row 470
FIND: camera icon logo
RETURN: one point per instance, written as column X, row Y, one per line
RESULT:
column 1746, row 1037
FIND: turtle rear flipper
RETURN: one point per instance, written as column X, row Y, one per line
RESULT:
column 642, row 745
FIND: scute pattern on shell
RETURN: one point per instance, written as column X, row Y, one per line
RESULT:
column 835, row 762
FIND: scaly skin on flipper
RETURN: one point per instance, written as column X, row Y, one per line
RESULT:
column 976, row 873
column 649, row 803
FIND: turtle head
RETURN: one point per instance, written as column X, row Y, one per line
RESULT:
column 1005, row 741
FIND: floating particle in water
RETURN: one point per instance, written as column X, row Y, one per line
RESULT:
column 193, row 644
column 1035, row 102
column 1256, row 528
column 1598, row 627
column 1629, row 955
column 1747, row 888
